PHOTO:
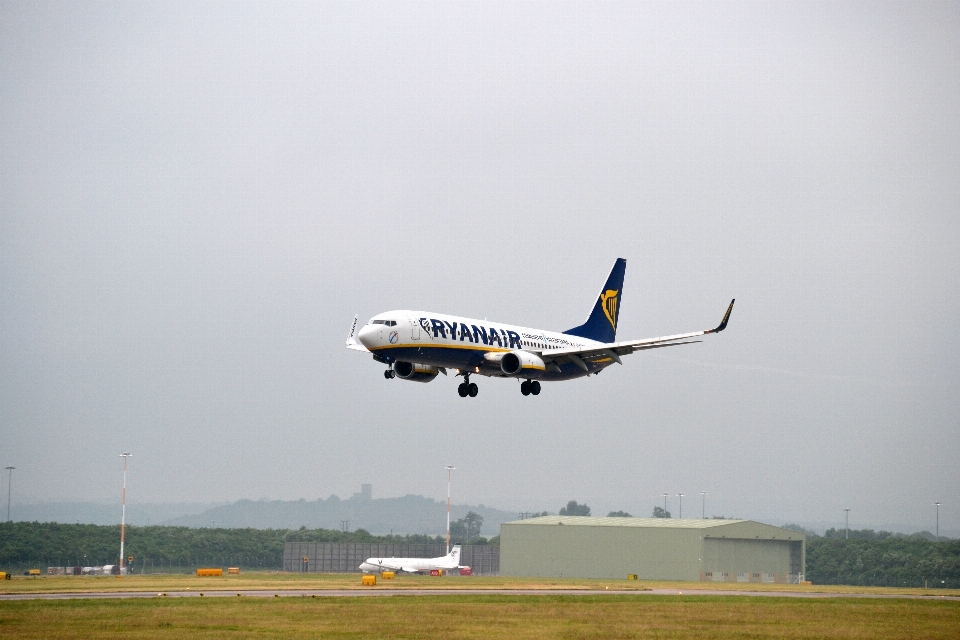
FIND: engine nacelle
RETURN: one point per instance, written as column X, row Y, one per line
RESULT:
column 522, row 364
column 415, row 372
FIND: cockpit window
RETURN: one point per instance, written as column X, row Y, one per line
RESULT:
column 389, row 323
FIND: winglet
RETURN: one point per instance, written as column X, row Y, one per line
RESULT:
column 352, row 336
column 726, row 317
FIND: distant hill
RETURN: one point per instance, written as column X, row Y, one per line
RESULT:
column 142, row 514
column 410, row 514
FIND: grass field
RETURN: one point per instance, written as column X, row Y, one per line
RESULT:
column 462, row 617
column 265, row 580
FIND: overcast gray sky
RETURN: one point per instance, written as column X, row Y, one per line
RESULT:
column 195, row 198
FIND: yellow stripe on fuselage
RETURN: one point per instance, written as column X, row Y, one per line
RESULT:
column 440, row 346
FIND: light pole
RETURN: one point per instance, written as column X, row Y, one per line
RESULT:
column 680, row 515
column 846, row 535
column 938, row 521
column 123, row 508
column 449, row 472
column 703, row 505
column 664, row 505
column 9, row 481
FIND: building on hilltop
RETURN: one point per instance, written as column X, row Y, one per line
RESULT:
column 366, row 493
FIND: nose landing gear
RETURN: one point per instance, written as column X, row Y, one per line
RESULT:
column 530, row 386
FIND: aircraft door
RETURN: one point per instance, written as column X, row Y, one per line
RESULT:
column 414, row 329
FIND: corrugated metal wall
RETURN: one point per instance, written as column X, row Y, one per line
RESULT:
column 599, row 552
column 334, row 557
column 735, row 551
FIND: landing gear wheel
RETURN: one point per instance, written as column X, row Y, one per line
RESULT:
column 525, row 387
column 472, row 389
column 389, row 373
column 463, row 389
column 535, row 388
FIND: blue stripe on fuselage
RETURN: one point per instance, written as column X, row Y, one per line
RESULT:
column 467, row 358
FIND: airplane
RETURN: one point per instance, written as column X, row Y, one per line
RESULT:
column 418, row 345
column 413, row 565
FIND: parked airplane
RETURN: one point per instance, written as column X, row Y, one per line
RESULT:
column 413, row 565
column 418, row 345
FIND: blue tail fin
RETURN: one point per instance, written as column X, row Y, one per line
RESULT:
column 602, row 323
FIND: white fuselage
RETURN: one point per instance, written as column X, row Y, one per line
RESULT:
column 468, row 344
column 413, row 565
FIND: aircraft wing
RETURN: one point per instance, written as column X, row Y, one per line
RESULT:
column 389, row 566
column 614, row 350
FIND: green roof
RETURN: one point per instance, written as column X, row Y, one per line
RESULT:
column 660, row 523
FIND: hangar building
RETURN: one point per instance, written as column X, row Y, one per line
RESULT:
column 651, row 548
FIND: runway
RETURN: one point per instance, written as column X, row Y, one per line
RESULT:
column 384, row 593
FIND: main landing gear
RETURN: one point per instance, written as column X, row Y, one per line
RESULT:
column 530, row 386
column 389, row 373
column 468, row 388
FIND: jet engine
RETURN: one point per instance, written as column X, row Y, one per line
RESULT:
column 522, row 364
column 415, row 372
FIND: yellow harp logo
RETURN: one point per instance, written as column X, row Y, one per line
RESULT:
column 608, row 300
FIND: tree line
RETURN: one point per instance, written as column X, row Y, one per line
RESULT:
column 165, row 548
column 881, row 558
column 911, row 561
column 866, row 558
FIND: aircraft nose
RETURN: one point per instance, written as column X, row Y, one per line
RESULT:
column 368, row 335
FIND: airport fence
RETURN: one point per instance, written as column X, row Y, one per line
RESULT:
column 146, row 566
